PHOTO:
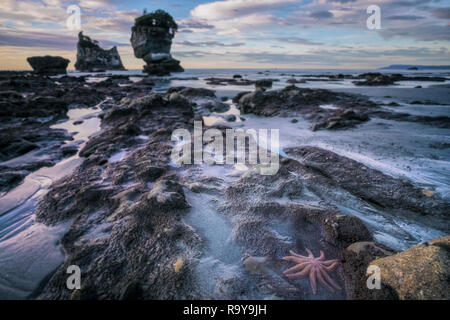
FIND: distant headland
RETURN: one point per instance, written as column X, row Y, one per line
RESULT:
column 414, row 67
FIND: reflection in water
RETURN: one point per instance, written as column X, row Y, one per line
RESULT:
column 30, row 251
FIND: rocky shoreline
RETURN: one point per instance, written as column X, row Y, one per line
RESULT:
column 127, row 205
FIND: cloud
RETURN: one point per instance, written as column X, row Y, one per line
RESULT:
column 91, row 5
column 442, row 13
column 346, row 57
column 321, row 14
column 405, row 17
column 247, row 23
column 412, row 3
column 191, row 54
column 298, row 41
column 121, row 21
column 227, row 9
column 341, row 1
column 193, row 24
column 18, row 38
column 19, row 12
column 421, row 33
column 209, row 44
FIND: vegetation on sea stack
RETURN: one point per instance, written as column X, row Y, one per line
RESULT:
column 158, row 18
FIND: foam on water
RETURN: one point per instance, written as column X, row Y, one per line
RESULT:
column 117, row 157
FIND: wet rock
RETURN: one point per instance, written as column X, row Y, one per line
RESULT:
column 167, row 195
column 48, row 65
column 375, row 79
column 231, row 118
column 69, row 150
column 438, row 122
column 217, row 106
column 92, row 58
column 10, row 179
column 15, row 147
column 124, row 230
column 344, row 229
column 268, row 223
column 379, row 79
column 226, row 81
column 371, row 185
column 14, row 105
column 146, row 82
column 193, row 92
column 263, row 84
column 148, row 172
column 342, row 118
column 294, row 81
column 440, row 145
column 240, row 95
column 184, row 78
column 35, row 141
column 293, row 101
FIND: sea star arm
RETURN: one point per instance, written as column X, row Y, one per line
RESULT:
column 300, row 274
column 310, row 254
column 328, row 278
column 297, row 267
column 322, row 280
column 297, row 255
column 294, row 259
column 322, row 256
column 332, row 266
column 329, row 262
column 312, row 280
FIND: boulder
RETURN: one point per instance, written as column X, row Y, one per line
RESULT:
column 48, row 65
column 263, row 84
column 90, row 57
column 419, row 273
column 375, row 79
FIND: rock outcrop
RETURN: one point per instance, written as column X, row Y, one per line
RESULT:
column 347, row 110
column 48, row 65
column 151, row 39
column 92, row 58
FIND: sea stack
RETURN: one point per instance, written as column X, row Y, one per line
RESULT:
column 151, row 39
column 92, row 58
column 48, row 65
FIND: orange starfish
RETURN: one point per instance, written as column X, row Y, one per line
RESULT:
column 316, row 268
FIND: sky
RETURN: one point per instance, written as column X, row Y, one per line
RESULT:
column 307, row 34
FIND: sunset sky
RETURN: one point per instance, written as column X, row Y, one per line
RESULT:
column 239, row 33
